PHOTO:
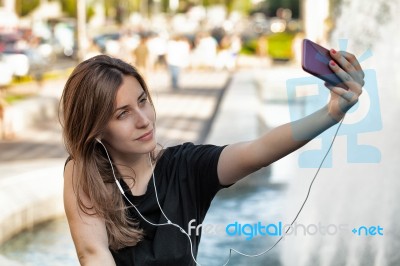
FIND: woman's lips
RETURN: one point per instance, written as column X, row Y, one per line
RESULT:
column 146, row 137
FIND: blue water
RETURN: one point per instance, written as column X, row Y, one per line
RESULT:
column 46, row 244
column 50, row 244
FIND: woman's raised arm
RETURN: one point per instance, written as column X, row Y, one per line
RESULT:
column 241, row 159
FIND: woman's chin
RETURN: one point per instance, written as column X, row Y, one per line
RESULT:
column 149, row 146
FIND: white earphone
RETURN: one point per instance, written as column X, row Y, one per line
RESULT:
column 155, row 189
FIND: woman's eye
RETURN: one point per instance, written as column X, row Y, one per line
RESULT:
column 143, row 100
column 122, row 115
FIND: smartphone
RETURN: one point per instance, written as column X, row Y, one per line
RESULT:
column 315, row 60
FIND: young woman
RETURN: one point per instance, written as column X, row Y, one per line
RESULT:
column 120, row 185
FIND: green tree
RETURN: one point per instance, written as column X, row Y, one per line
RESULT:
column 24, row 7
column 69, row 8
column 269, row 7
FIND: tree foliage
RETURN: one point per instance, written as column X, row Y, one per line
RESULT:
column 69, row 7
column 269, row 7
column 24, row 7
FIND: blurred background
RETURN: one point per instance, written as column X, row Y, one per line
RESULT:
column 219, row 72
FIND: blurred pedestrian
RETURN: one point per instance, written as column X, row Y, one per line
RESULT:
column 141, row 56
column 228, row 51
column 297, row 45
column 205, row 52
column 235, row 48
column 158, row 49
column 178, row 53
column 3, row 105
column 224, row 59
column 38, row 63
column 262, row 49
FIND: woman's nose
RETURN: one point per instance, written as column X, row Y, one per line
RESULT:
column 141, row 119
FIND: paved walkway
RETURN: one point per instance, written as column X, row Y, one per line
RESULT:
column 181, row 116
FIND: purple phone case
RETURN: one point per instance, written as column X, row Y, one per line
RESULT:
column 315, row 60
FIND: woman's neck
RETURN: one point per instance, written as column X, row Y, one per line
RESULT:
column 136, row 173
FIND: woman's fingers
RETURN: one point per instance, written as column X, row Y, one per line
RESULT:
column 347, row 95
column 342, row 101
column 343, row 75
column 349, row 63
column 354, row 86
column 353, row 60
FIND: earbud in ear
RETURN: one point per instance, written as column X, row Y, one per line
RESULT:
column 98, row 140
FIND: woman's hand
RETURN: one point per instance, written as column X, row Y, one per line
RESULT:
column 240, row 159
column 348, row 69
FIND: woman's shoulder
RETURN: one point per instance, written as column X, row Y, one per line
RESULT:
column 173, row 152
column 178, row 148
column 191, row 150
column 69, row 162
column 69, row 167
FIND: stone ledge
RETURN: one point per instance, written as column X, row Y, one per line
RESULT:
column 26, row 114
column 30, row 198
column 8, row 262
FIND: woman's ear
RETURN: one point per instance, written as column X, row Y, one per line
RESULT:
column 99, row 137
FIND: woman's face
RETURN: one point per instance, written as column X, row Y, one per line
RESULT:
column 131, row 129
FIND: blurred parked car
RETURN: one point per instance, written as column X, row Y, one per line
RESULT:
column 102, row 40
column 26, row 62
column 23, row 58
column 64, row 39
column 114, row 42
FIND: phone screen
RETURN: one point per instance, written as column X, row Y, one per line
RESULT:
column 315, row 60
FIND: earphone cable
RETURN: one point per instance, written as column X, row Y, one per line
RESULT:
column 298, row 212
column 184, row 232
column 140, row 214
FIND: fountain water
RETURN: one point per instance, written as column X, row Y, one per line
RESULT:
column 356, row 194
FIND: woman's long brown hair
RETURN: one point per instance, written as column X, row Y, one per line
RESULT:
column 86, row 106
